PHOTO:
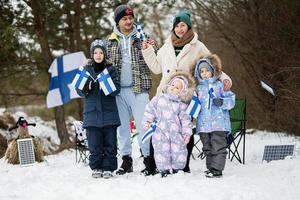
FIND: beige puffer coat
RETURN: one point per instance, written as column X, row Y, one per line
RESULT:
column 165, row 62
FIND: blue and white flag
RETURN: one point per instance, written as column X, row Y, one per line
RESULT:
column 194, row 107
column 211, row 95
column 80, row 78
column 105, row 82
column 150, row 131
column 140, row 31
column 63, row 70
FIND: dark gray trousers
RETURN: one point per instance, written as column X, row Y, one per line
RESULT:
column 214, row 147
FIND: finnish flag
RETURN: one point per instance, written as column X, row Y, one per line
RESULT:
column 150, row 131
column 140, row 31
column 105, row 82
column 211, row 95
column 63, row 70
column 80, row 78
column 194, row 107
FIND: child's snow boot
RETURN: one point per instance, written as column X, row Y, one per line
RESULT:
column 165, row 173
column 97, row 173
column 107, row 174
column 214, row 173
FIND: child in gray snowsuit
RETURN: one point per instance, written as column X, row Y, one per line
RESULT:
column 174, row 126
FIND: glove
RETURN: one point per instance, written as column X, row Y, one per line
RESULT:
column 88, row 86
column 229, row 139
column 218, row 102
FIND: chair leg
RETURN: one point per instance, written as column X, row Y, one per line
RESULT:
column 235, row 152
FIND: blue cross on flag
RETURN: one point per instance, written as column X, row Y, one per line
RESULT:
column 150, row 131
column 63, row 70
column 194, row 107
column 140, row 31
column 211, row 95
column 80, row 78
column 106, row 83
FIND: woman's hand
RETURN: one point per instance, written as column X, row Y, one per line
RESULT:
column 145, row 45
column 148, row 43
column 226, row 84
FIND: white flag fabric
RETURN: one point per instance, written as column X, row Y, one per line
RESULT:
column 140, row 31
column 267, row 86
column 105, row 82
column 194, row 107
column 63, row 70
column 80, row 78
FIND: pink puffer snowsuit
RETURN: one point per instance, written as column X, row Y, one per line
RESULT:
column 174, row 124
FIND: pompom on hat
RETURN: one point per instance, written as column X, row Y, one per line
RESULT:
column 98, row 44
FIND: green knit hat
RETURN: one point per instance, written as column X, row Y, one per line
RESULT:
column 183, row 16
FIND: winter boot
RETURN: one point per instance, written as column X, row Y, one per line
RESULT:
column 214, row 173
column 126, row 166
column 165, row 173
column 107, row 174
column 150, row 166
column 97, row 173
column 175, row 171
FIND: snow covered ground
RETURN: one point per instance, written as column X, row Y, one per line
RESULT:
column 61, row 178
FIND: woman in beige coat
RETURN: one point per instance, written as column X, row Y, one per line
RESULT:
column 181, row 51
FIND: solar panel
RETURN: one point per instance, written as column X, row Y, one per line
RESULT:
column 277, row 152
column 26, row 151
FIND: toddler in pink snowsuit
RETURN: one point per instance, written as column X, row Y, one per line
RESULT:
column 174, row 125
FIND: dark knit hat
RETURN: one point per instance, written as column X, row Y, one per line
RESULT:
column 182, row 16
column 98, row 44
column 121, row 11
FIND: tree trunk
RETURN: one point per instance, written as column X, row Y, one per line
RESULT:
column 39, row 26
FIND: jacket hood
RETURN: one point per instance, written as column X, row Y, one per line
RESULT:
column 118, row 32
column 187, row 94
column 213, row 61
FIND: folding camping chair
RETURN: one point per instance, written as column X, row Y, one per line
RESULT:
column 238, row 131
column 81, row 144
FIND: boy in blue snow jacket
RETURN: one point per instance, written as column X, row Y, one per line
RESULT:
column 100, row 116
column 213, row 122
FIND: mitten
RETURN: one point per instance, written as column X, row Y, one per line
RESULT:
column 146, row 126
column 95, row 84
column 88, row 86
column 218, row 102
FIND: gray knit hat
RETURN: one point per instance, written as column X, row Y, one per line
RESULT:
column 98, row 44
column 121, row 11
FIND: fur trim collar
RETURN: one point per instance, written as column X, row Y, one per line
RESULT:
column 187, row 94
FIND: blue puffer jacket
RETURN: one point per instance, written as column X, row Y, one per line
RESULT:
column 211, row 117
column 100, row 110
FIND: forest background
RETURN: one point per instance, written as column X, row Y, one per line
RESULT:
column 256, row 40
